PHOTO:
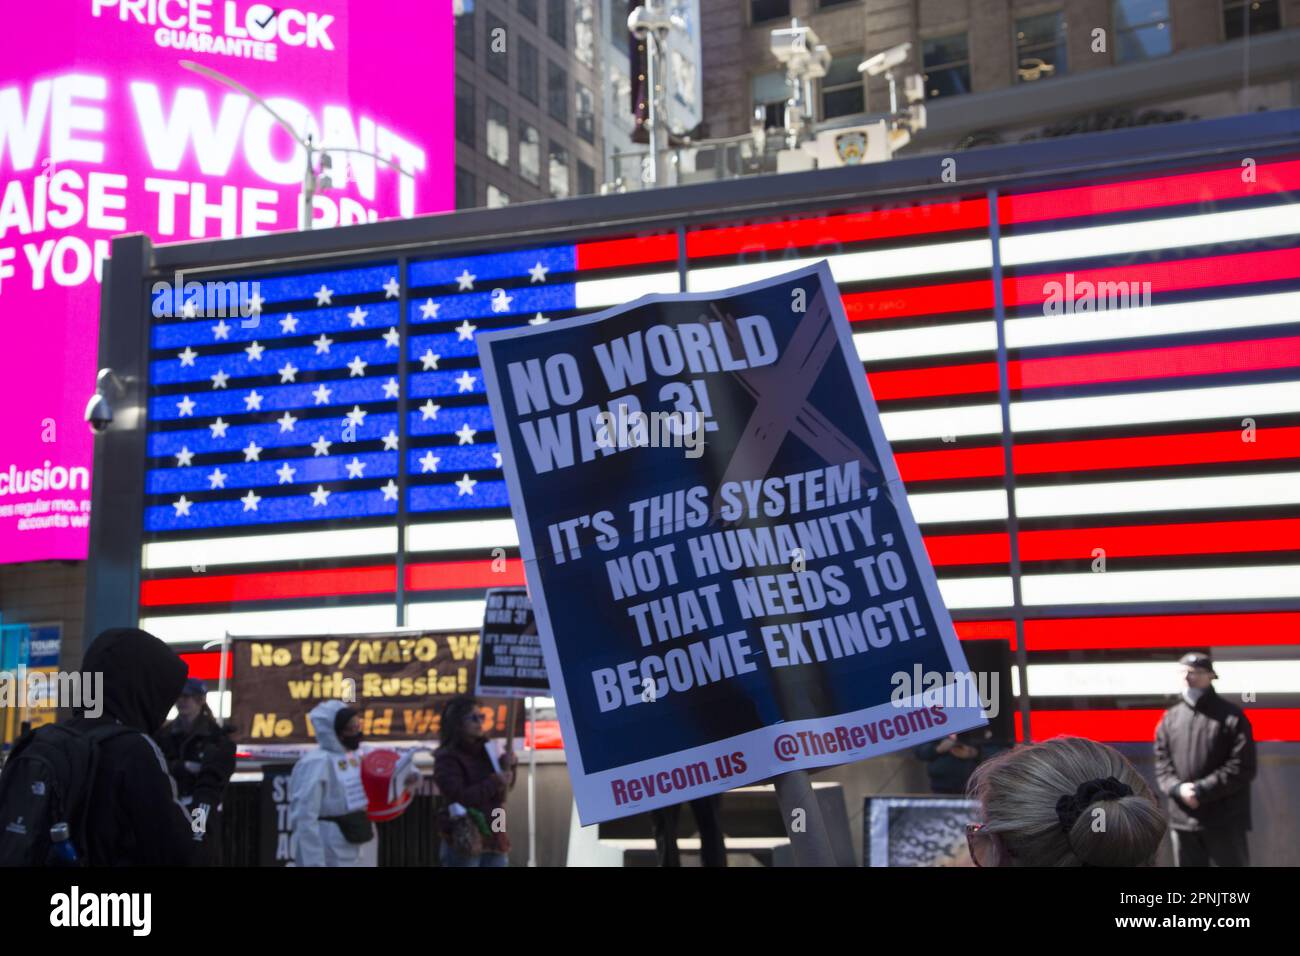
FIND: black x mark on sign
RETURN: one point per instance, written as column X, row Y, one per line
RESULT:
column 781, row 392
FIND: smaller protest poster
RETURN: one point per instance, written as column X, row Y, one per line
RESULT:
column 275, row 833
column 510, row 662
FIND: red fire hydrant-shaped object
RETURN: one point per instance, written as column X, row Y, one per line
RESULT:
column 387, row 798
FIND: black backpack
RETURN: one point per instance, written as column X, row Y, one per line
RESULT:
column 47, row 780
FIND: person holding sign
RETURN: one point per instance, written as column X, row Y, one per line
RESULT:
column 951, row 761
column 708, row 819
column 473, row 785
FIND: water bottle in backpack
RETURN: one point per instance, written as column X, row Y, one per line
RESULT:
column 63, row 852
column 45, row 789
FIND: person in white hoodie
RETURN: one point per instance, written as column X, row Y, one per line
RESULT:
column 327, row 803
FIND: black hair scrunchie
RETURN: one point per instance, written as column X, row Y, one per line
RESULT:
column 1070, row 807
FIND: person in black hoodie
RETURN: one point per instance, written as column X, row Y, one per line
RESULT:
column 133, row 817
column 1205, row 761
column 201, row 758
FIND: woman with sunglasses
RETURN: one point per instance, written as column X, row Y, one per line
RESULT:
column 1063, row 802
column 471, row 813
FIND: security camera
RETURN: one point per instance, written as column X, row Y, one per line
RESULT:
column 914, row 88
column 819, row 61
column 915, row 117
column 794, row 43
column 99, row 413
column 646, row 19
column 884, row 62
column 99, row 410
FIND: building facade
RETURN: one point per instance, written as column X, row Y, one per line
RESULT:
column 528, row 126
column 528, row 116
column 1010, row 70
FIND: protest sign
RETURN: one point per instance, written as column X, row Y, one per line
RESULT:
column 275, row 839
column 726, row 574
column 510, row 661
column 398, row 682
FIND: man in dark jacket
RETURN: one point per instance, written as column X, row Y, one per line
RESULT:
column 201, row 758
column 1205, row 761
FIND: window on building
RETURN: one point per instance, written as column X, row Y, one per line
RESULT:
column 530, row 153
column 760, row 10
column 465, row 117
column 529, row 9
column 495, row 54
column 586, row 179
column 1248, row 17
column 496, row 198
column 1040, row 47
column 466, row 189
column 946, row 65
column 1142, row 30
column 465, row 33
column 584, row 117
column 769, row 94
column 683, row 71
column 498, row 133
column 834, row 3
column 527, row 69
column 842, row 89
column 557, row 92
column 584, row 32
column 617, row 17
column 557, row 23
column 557, row 170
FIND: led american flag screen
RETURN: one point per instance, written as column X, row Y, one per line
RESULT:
column 1092, row 391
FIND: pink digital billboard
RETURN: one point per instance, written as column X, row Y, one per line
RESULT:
column 103, row 131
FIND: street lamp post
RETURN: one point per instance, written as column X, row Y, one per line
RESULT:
column 313, row 181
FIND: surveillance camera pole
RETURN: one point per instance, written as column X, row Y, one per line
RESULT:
column 652, row 80
column 312, row 180
column 899, row 126
column 651, row 22
column 805, row 59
